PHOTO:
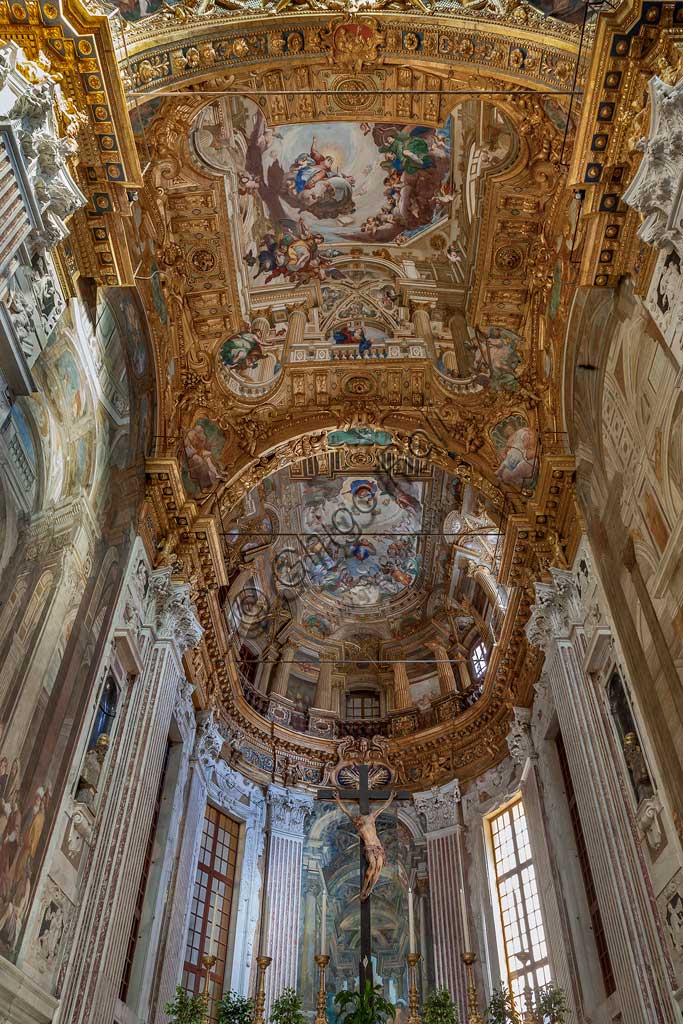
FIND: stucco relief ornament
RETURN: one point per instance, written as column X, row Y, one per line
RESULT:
column 519, row 740
column 438, row 807
column 655, row 190
column 289, row 811
column 209, row 741
column 354, row 43
column 173, row 614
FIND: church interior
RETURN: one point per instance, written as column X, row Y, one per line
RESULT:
column 341, row 511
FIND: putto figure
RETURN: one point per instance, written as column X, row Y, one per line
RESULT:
column 375, row 856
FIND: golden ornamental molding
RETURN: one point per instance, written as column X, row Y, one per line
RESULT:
column 162, row 50
column 75, row 42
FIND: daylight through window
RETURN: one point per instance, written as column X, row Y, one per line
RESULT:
column 526, row 953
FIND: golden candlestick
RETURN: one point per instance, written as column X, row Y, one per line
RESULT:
column 473, row 1015
column 413, row 994
column 208, row 963
column 262, row 964
column 321, row 1016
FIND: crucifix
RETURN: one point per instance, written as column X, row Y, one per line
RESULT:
column 372, row 855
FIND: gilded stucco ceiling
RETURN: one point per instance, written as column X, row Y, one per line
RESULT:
column 354, row 241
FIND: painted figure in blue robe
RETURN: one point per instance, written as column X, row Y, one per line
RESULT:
column 362, row 549
column 353, row 336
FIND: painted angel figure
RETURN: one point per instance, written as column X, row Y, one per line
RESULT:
column 375, row 855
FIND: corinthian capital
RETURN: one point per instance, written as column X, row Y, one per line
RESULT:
column 289, row 810
column 173, row 614
column 438, row 807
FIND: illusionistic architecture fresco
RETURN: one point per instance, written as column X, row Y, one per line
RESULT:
column 341, row 492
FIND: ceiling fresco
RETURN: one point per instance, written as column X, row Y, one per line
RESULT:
column 350, row 261
column 377, row 522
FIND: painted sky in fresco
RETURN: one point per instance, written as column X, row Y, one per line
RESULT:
column 381, row 557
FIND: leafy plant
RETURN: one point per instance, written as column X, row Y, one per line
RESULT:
column 501, row 1009
column 234, row 1009
column 366, row 1007
column 439, row 1008
column 186, row 1009
column 550, row 1005
column 287, row 1009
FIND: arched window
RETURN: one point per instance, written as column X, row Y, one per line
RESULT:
column 362, row 704
column 106, row 712
column 479, row 658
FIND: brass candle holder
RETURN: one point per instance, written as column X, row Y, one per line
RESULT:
column 262, row 965
column 473, row 1015
column 322, row 961
column 413, row 994
column 208, row 963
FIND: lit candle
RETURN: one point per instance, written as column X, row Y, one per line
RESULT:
column 323, row 925
column 214, row 921
column 411, row 921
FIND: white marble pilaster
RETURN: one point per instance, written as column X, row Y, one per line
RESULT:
column 288, row 810
column 92, row 981
column 440, row 814
column 644, row 989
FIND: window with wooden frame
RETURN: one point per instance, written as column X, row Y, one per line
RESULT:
column 362, row 704
column 519, row 907
column 211, row 900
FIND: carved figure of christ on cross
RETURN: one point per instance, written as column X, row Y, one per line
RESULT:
column 372, row 854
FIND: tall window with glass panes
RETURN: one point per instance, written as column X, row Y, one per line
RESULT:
column 519, row 910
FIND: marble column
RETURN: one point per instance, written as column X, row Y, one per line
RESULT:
column 632, row 932
column 288, row 812
column 323, row 690
column 402, row 698
column 443, row 667
column 296, row 325
column 464, row 672
column 282, row 670
column 439, row 812
column 98, row 951
column 423, row 328
column 458, row 329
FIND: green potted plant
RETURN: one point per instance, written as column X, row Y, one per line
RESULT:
column 439, row 1008
column 286, row 1009
column 234, row 1009
column 186, row 1009
column 501, row 1009
column 550, row 1005
column 364, row 1007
